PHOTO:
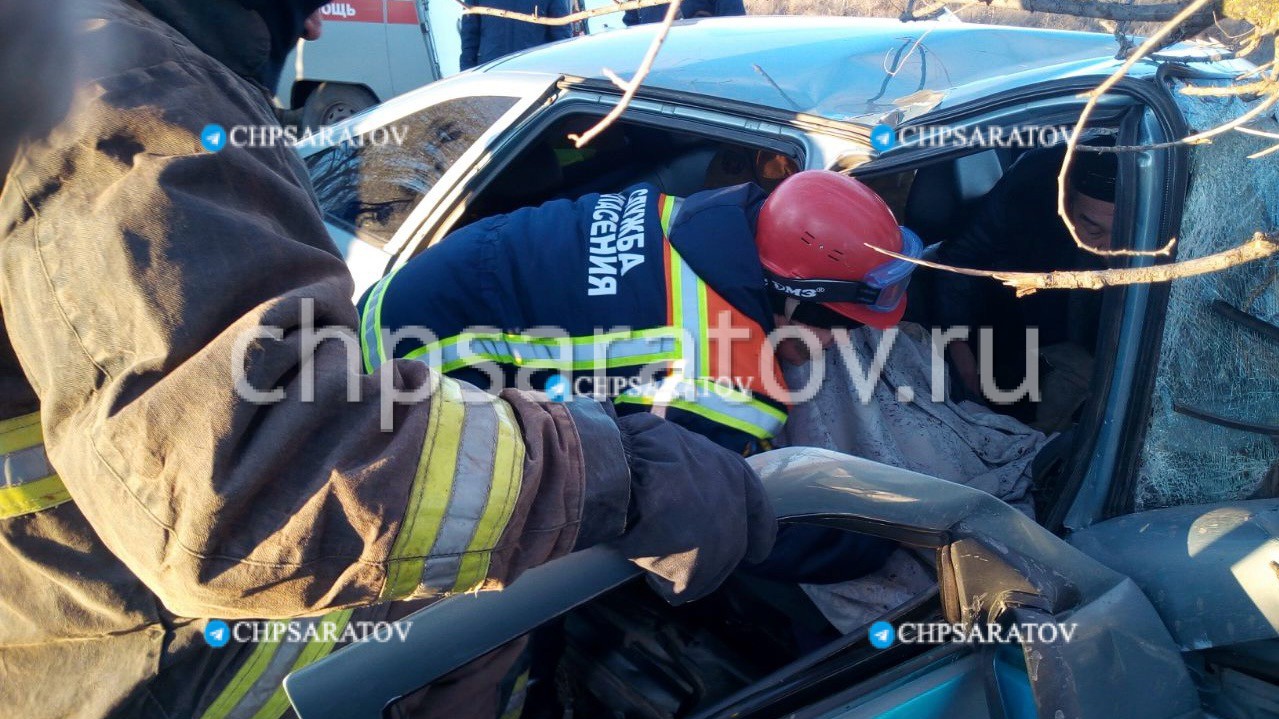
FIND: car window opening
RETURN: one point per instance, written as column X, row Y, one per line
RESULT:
column 679, row 163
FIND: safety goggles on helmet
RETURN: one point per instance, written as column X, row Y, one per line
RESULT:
column 881, row 289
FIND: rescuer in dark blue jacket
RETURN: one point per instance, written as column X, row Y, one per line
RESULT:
column 485, row 37
column 661, row 304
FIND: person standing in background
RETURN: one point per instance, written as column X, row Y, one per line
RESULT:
column 689, row 9
column 486, row 37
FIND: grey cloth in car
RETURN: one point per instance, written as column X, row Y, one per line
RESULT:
column 960, row 442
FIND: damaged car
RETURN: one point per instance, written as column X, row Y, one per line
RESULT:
column 1155, row 543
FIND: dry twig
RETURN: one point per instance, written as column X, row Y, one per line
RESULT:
column 629, row 87
column 1093, row 96
column 1026, row 283
column 562, row 20
column 1099, row 9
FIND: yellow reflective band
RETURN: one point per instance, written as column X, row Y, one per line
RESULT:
column 20, row 433
column 33, row 497
column 27, row 481
column 701, row 411
column 677, row 298
column 608, row 350
column 715, row 402
column 371, row 340
column 667, row 211
column 432, row 487
column 245, row 677
column 734, row 395
column 703, row 331
column 508, row 471
column 242, row 698
column 315, row 650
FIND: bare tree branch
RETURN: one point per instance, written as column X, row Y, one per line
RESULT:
column 563, row 20
column 629, row 87
column 1025, row 283
column 1093, row 96
column 1099, row 9
column 1161, row 12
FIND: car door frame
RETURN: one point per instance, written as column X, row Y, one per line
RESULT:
column 530, row 92
column 1099, row 445
column 823, row 144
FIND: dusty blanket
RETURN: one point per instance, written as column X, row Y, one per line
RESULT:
column 960, row 442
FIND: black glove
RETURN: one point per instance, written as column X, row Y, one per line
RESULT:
column 696, row 509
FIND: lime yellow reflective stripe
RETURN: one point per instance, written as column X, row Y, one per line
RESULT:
column 702, row 410
column 605, row 350
column 255, row 690
column 508, row 470
column 371, row 339
column 330, row 628
column 243, row 680
column 32, row 497
column 432, row 486
column 20, row 433
column 27, row 481
column 703, row 331
column 732, row 394
column 667, row 211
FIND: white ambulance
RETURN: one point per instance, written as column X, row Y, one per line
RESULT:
column 373, row 50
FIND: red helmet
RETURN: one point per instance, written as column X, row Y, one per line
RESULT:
column 812, row 236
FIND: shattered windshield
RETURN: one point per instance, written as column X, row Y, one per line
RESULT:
column 1214, row 429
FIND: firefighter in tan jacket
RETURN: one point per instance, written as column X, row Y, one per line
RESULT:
column 177, row 447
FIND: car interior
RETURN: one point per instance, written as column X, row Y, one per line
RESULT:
column 551, row 167
column 629, row 654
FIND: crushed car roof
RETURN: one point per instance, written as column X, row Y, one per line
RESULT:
column 861, row 70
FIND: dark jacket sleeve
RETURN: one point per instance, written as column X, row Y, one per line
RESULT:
column 724, row 8
column 188, row 327
column 958, row 298
column 558, row 8
column 469, row 28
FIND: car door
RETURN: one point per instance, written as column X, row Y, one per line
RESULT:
column 1192, row 514
column 383, row 171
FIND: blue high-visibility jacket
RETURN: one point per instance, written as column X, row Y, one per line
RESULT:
column 633, row 306
column 620, row 278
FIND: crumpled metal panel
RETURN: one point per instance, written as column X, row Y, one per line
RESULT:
column 1208, row 363
column 1209, row 570
column 995, row 560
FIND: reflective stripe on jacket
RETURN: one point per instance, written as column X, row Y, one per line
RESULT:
column 29, row 482
column 599, row 285
column 146, row 282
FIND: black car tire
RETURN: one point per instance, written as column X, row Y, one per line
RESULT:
column 333, row 102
